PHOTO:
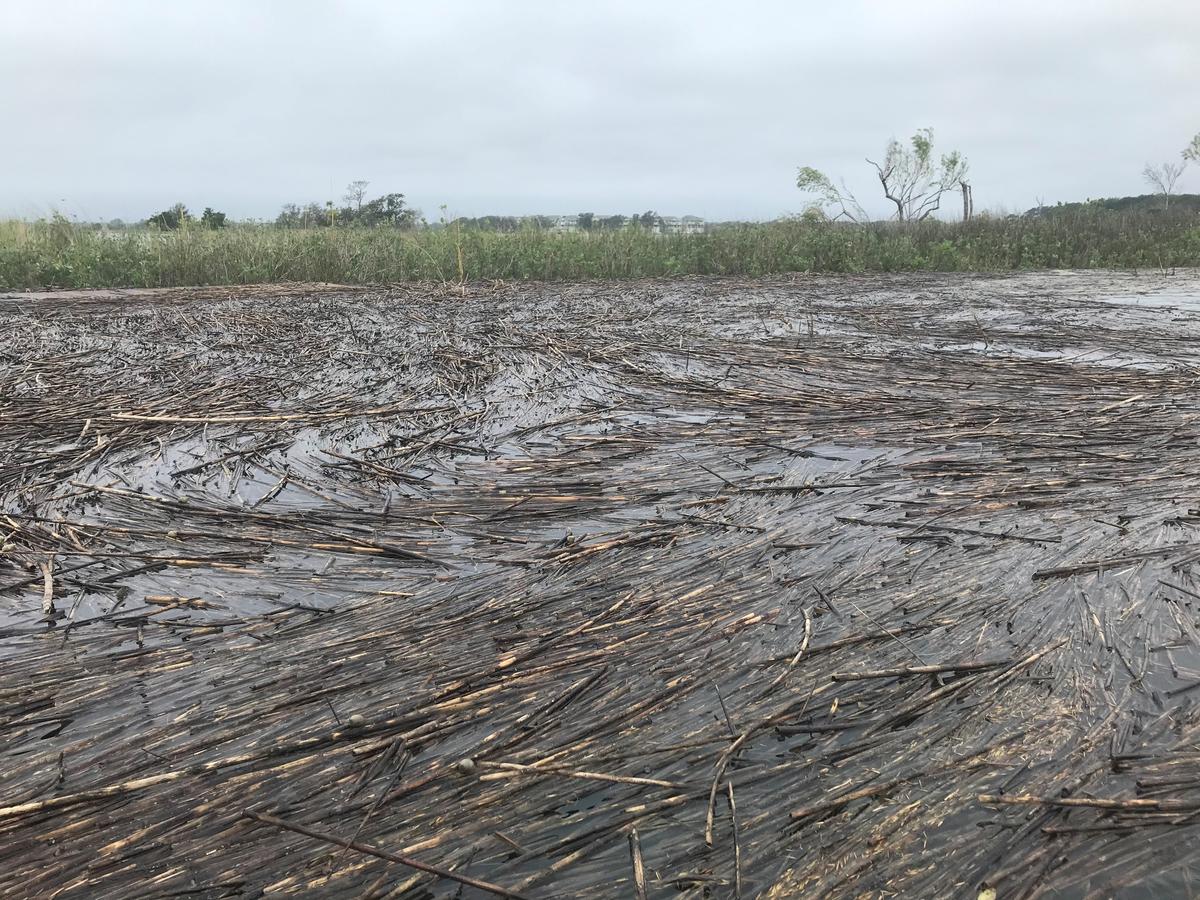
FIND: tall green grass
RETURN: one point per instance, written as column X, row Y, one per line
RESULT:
column 59, row 254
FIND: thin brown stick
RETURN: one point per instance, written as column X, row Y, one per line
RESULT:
column 384, row 854
column 1135, row 805
column 513, row 769
column 920, row 670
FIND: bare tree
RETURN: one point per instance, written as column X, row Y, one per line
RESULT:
column 912, row 181
column 355, row 192
column 1162, row 178
column 910, row 178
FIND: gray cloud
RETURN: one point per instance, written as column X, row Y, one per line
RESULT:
column 121, row 108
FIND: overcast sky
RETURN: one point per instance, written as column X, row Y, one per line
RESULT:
column 119, row 108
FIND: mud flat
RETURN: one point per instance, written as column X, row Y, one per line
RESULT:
column 787, row 587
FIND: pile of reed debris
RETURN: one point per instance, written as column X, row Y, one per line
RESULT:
column 699, row 588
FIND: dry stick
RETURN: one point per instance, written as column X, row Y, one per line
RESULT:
column 523, row 851
column 517, row 768
column 795, row 659
column 639, row 870
column 890, row 634
column 1139, row 805
column 304, row 486
column 1025, row 663
column 125, row 787
column 48, row 586
column 920, row 670
column 851, row 796
column 851, row 520
column 886, row 787
column 350, row 543
column 289, row 417
column 137, row 784
column 737, row 845
column 731, row 751
column 34, row 579
column 384, row 854
column 729, row 754
column 859, row 639
column 264, row 448
column 374, row 806
column 271, row 493
column 909, row 710
column 724, row 711
column 1116, row 562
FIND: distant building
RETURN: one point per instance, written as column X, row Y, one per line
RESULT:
column 678, row 225
column 664, row 225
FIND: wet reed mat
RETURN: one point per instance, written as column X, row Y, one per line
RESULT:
column 821, row 587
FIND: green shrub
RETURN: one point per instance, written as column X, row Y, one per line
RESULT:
column 58, row 253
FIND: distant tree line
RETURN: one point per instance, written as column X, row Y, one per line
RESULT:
column 178, row 217
column 388, row 211
column 1143, row 203
column 910, row 176
column 391, row 211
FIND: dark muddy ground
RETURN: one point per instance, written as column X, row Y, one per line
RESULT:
column 821, row 586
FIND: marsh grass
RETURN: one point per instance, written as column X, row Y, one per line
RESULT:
column 57, row 253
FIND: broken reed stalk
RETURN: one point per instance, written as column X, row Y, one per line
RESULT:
column 384, row 854
column 737, row 842
column 1132, row 805
column 515, row 769
column 782, row 676
column 47, row 567
column 639, row 868
column 279, row 750
column 905, row 671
